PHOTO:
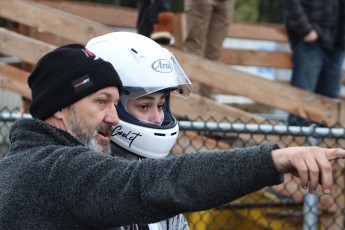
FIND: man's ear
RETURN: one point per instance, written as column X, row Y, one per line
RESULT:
column 59, row 114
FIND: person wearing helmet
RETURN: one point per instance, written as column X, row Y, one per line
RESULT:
column 146, row 128
column 145, row 69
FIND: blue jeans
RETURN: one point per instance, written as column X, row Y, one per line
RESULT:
column 317, row 70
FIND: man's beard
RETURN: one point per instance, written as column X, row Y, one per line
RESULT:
column 78, row 130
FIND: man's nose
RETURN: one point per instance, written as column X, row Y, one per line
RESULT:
column 111, row 117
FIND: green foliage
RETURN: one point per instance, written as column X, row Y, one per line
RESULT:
column 177, row 6
column 246, row 10
column 270, row 11
column 258, row 11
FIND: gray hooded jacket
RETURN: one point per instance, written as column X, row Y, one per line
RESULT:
column 48, row 180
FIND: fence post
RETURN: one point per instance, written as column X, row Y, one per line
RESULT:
column 310, row 209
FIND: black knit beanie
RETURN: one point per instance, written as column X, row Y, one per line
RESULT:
column 66, row 75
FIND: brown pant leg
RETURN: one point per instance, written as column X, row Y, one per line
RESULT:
column 218, row 28
column 198, row 14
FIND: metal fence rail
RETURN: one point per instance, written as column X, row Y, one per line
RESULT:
column 286, row 206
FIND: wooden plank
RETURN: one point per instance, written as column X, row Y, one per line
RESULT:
column 218, row 75
column 27, row 31
column 52, row 20
column 14, row 79
column 179, row 30
column 341, row 112
column 126, row 17
column 273, row 59
column 258, row 31
column 23, row 47
column 107, row 14
column 49, row 38
column 13, row 72
column 200, row 107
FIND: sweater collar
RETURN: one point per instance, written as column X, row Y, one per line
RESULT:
column 38, row 132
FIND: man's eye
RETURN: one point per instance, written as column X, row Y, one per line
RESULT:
column 101, row 101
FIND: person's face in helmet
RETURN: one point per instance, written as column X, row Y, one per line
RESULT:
column 148, row 108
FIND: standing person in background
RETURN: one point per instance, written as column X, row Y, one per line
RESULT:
column 155, row 20
column 144, row 105
column 208, row 23
column 316, row 31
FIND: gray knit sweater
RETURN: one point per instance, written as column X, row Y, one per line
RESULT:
column 48, row 180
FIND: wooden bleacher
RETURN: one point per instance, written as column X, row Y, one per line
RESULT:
column 41, row 34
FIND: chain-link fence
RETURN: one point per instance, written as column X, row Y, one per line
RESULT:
column 286, row 206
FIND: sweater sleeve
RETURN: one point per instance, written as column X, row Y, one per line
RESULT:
column 296, row 18
column 104, row 189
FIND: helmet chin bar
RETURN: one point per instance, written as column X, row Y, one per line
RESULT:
column 147, row 142
column 144, row 139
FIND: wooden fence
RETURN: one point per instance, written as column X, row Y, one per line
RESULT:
column 43, row 25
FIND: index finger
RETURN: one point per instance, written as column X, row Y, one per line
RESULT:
column 325, row 173
column 335, row 153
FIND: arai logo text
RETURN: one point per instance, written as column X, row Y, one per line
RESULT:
column 162, row 66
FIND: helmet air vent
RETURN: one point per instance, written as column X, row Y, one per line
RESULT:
column 160, row 134
column 134, row 50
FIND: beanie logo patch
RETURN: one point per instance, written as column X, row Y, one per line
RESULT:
column 82, row 83
column 162, row 66
column 88, row 53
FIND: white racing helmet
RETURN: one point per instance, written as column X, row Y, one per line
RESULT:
column 144, row 68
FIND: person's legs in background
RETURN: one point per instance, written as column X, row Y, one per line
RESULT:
column 307, row 64
column 198, row 17
column 218, row 27
column 144, row 24
column 217, row 31
column 330, row 80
